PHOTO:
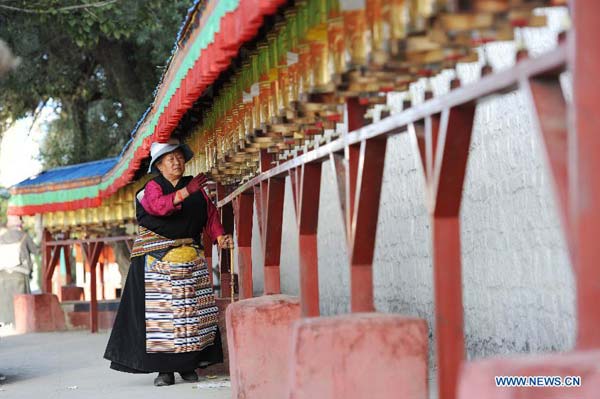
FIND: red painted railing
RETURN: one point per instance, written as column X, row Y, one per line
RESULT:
column 91, row 249
column 441, row 128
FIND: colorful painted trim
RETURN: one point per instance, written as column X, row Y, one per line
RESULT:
column 148, row 241
column 224, row 25
column 181, row 312
column 210, row 54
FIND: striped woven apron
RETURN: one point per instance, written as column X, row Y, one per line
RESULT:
column 181, row 313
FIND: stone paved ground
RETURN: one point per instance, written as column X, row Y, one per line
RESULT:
column 69, row 365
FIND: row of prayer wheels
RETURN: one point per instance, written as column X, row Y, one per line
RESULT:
column 117, row 211
column 291, row 84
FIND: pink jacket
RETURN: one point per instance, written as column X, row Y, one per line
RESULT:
column 158, row 204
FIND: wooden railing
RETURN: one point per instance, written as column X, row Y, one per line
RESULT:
column 441, row 131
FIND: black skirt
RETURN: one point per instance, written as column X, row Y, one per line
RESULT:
column 126, row 347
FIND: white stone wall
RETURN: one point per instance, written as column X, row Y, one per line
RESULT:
column 518, row 285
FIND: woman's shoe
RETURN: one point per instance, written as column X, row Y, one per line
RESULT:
column 189, row 376
column 164, row 379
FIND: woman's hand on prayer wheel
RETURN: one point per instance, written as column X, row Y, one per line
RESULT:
column 225, row 241
column 196, row 183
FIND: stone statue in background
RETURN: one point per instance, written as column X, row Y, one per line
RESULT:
column 16, row 248
column 8, row 62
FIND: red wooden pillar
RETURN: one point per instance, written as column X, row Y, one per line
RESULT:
column 243, row 206
column 306, row 185
column 364, row 214
column 272, row 197
column 207, row 244
column 226, row 213
column 551, row 109
column 359, row 181
column 91, row 253
column 50, row 258
column 101, row 272
column 586, row 166
column 356, row 113
column 269, row 208
column 46, row 254
column 67, row 254
column 445, row 169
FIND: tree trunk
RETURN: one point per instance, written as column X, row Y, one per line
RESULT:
column 77, row 110
column 124, row 81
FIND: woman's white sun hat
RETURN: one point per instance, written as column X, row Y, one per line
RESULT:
column 157, row 150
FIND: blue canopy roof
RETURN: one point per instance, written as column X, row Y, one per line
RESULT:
column 70, row 173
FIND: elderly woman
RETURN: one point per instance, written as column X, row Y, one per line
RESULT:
column 167, row 319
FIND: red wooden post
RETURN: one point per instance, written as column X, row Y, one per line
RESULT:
column 92, row 253
column 307, row 187
column 225, row 263
column 269, row 196
column 363, row 223
column 101, row 270
column 52, row 259
column 266, row 160
column 551, row 110
column 586, row 198
column 67, row 254
column 93, row 299
column 272, row 196
column 444, row 181
column 46, row 255
column 207, row 244
column 356, row 113
column 243, row 206
column 226, row 213
column 359, row 183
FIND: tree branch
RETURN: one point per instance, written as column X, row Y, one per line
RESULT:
column 60, row 9
column 36, row 115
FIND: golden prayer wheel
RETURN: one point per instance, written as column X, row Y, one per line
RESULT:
column 356, row 36
column 288, row 84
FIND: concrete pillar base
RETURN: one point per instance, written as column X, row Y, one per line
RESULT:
column 38, row 313
column 478, row 378
column 360, row 355
column 258, row 335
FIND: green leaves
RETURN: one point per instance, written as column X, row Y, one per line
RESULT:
column 87, row 60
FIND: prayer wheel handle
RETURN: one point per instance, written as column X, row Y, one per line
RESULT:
column 232, row 271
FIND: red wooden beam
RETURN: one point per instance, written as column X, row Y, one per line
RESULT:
column 364, row 217
column 356, row 120
column 586, row 164
column 272, row 197
column 92, row 254
column 69, row 271
column 46, row 255
column 225, row 254
column 52, row 261
column 129, row 244
column 356, row 113
column 550, row 109
column 307, row 182
column 358, row 175
column 243, row 209
column 89, row 240
column 207, row 244
column 446, row 150
column 101, row 270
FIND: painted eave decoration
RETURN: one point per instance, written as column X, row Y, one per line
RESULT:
column 210, row 37
column 60, row 189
